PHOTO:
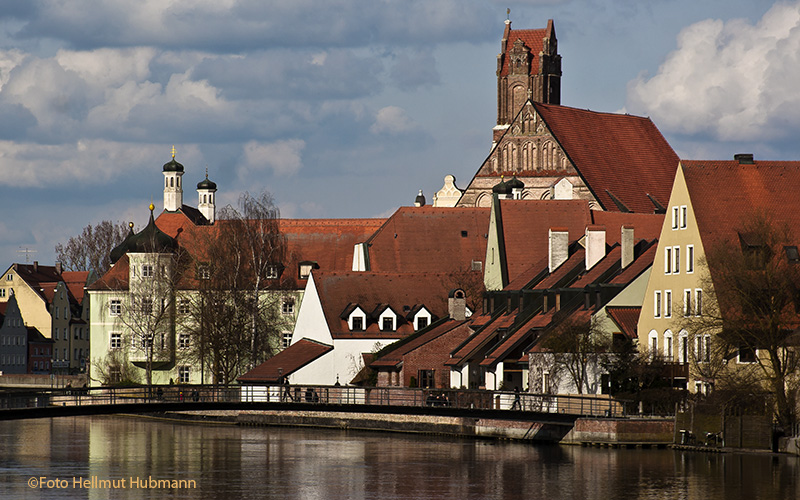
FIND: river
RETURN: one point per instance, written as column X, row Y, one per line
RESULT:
column 131, row 457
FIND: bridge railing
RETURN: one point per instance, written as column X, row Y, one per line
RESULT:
column 312, row 395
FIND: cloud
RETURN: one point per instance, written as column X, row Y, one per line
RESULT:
column 282, row 157
column 414, row 69
column 731, row 81
column 392, row 120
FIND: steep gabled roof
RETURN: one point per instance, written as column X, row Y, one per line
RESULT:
column 617, row 155
column 429, row 239
column 626, row 319
column 401, row 291
column 725, row 194
column 392, row 356
column 286, row 362
column 76, row 281
column 526, row 225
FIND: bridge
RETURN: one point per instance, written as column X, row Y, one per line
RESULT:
column 501, row 405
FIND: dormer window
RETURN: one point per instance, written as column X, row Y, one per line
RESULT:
column 422, row 318
column 356, row 318
column 422, row 322
column 358, row 324
column 387, row 320
column 305, row 269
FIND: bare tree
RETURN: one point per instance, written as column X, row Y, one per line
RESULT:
column 235, row 318
column 750, row 314
column 89, row 251
column 575, row 347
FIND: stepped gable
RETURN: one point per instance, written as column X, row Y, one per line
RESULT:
column 430, row 239
column 620, row 154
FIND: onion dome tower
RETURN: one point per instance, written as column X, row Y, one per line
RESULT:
column 206, row 202
column 173, row 190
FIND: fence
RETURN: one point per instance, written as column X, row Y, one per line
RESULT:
column 319, row 397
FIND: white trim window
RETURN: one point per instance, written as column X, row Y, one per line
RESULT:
column 147, row 271
column 687, row 302
column 677, row 253
column 287, row 307
column 667, row 303
column 668, row 347
column 657, row 304
column 668, row 260
column 183, row 340
column 183, row 375
column 684, row 216
column 689, row 259
column 115, row 341
column 683, row 347
column 115, row 307
column 653, row 337
column 698, row 302
column 674, row 218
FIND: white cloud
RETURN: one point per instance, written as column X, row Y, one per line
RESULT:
column 282, row 157
column 392, row 120
column 733, row 80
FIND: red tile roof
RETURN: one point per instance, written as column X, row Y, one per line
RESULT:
column 480, row 339
column 618, row 153
column 526, row 226
column 286, row 362
column 403, row 292
column 725, row 194
column 75, row 281
column 429, row 239
column 523, row 334
column 394, row 353
column 626, row 319
column 645, row 226
column 533, row 39
column 640, row 264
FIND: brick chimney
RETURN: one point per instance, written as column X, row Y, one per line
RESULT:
column 457, row 304
column 595, row 243
column 626, row 240
column 559, row 247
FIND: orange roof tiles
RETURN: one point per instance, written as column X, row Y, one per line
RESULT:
column 626, row 319
column 394, row 355
column 291, row 359
column 618, row 153
column 430, row 239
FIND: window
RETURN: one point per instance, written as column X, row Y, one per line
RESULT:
column 2, row 292
column 66, row 312
column 183, row 340
column 115, row 307
column 683, row 347
column 55, row 333
column 668, row 303
column 183, row 306
column 272, row 272
column 668, row 346
column 747, row 354
column 677, row 268
column 698, row 302
column 75, row 334
column 422, row 322
column 147, row 270
column 657, row 304
column 674, row 217
column 687, row 302
column 9, row 277
column 205, row 273
column 358, row 324
column 114, row 374
column 287, row 307
column 684, row 216
column 668, row 260
column 388, row 324
column 426, row 378
column 689, row 259
column 653, row 344
column 56, row 311
column 287, row 339
column 116, row 340
column 305, row 270
column 146, row 304
column 707, row 348
column 183, row 375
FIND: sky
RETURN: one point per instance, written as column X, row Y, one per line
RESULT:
column 347, row 108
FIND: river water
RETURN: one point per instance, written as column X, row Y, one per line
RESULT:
column 129, row 457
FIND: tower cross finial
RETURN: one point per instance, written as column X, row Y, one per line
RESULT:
column 173, row 151
column 508, row 13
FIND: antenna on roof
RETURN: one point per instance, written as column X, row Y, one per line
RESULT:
column 508, row 14
column 27, row 251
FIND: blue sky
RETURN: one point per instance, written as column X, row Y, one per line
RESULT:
column 346, row 108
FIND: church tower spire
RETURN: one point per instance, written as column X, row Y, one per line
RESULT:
column 528, row 67
column 173, row 190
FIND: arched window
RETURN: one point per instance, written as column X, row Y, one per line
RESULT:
column 668, row 347
column 171, row 182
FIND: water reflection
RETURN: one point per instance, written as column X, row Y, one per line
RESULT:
column 234, row 462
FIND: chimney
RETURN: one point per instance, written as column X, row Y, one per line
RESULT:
column 595, row 244
column 744, row 158
column 59, row 268
column 360, row 257
column 457, row 305
column 559, row 247
column 626, row 240
column 36, row 266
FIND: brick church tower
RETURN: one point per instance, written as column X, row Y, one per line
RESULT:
column 528, row 67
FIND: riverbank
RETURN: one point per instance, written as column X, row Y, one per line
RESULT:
column 613, row 432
